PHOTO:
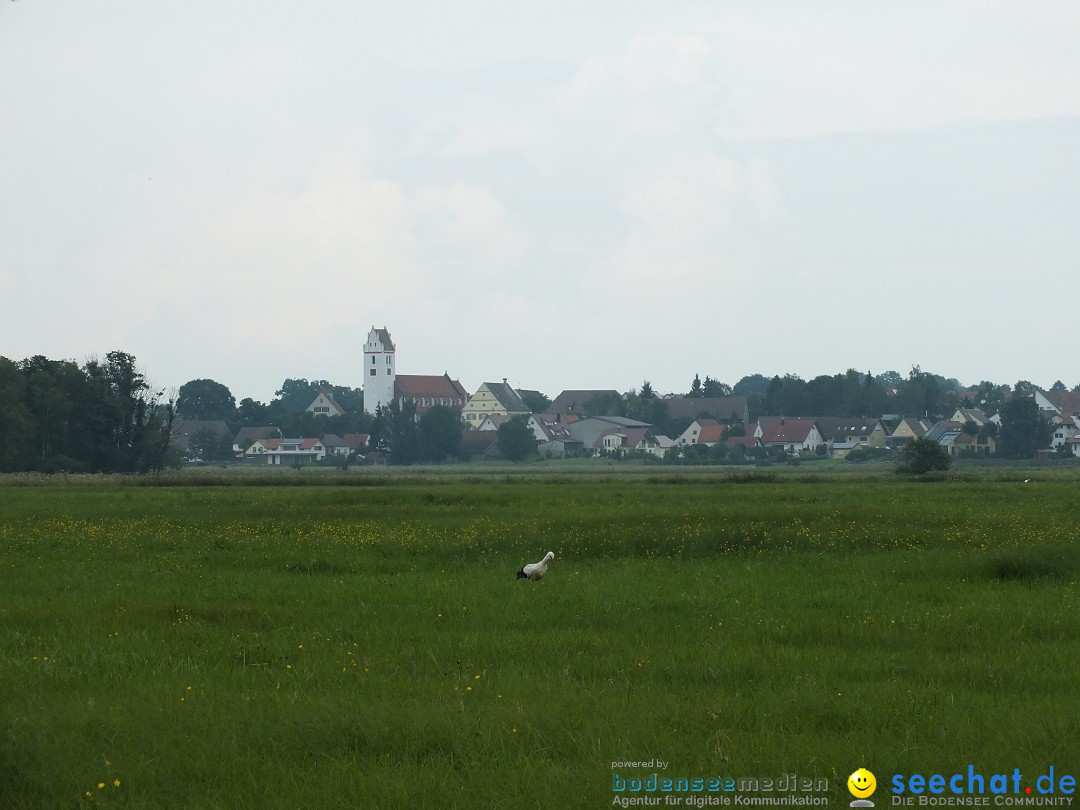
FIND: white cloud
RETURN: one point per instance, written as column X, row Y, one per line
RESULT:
column 292, row 178
column 808, row 71
column 658, row 86
column 465, row 236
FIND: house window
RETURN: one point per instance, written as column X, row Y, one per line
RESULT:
column 388, row 371
column 373, row 371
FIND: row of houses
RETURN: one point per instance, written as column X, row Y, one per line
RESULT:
column 481, row 412
column 837, row 438
column 567, row 429
column 561, row 435
column 263, row 445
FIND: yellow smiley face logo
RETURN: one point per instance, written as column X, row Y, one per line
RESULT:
column 861, row 783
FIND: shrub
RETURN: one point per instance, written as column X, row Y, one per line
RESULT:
column 923, row 456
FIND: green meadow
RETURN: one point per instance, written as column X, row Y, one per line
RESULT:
column 222, row 643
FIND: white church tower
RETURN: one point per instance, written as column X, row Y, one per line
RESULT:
column 379, row 371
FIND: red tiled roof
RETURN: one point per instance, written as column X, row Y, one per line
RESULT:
column 634, row 436
column 711, row 432
column 417, row 386
column 356, row 440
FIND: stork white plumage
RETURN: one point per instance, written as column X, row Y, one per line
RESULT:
column 535, row 571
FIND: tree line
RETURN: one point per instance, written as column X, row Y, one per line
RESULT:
column 104, row 416
column 101, row 416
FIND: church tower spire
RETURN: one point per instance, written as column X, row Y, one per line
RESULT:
column 380, row 373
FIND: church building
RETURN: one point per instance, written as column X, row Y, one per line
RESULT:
column 383, row 385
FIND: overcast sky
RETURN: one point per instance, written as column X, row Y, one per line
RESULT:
column 567, row 194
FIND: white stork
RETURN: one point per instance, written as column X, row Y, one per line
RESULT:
column 536, row 571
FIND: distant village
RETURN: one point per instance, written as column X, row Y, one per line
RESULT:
column 583, row 423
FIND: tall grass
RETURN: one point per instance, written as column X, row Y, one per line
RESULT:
column 342, row 646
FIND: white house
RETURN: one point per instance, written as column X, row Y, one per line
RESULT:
column 285, row 451
column 791, row 435
column 493, row 421
column 619, row 440
column 1064, row 430
column 1074, row 445
column 553, row 438
column 325, row 405
column 703, row 431
column 589, row 430
column 1044, row 403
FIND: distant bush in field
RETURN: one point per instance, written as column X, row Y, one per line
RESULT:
column 923, row 456
column 862, row 454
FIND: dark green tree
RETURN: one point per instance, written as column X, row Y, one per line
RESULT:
column 101, row 417
column 921, row 456
column 922, row 394
column 208, row 445
column 659, row 416
column 516, row 439
column 440, row 433
column 646, row 391
column 751, row 384
column 134, row 430
column 15, row 419
column 875, row 398
column 250, row 413
column 50, row 405
column 991, row 397
column 68, row 414
column 786, row 396
column 1023, row 429
column 695, row 387
column 714, row 388
column 1058, row 387
column 396, row 432
column 351, row 399
column 535, row 401
column 606, row 405
column 297, row 394
column 825, row 395
column 206, row 399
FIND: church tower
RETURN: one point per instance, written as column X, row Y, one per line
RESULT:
column 379, row 371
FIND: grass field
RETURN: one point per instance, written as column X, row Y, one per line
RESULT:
column 367, row 645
